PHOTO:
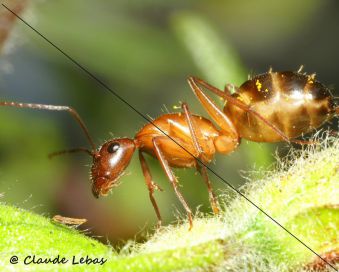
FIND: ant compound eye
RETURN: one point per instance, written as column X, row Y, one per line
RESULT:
column 113, row 147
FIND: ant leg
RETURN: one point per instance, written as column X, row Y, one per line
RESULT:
column 196, row 134
column 151, row 185
column 207, row 103
column 70, row 110
column 214, row 203
column 214, row 111
column 173, row 180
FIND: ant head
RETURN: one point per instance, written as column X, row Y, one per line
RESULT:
column 109, row 164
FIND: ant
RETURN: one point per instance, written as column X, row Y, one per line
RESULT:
column 270, row 107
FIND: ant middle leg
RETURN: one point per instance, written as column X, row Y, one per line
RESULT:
column 208, row 104
column 157, row 141
column 151, row 185
column 196, row 136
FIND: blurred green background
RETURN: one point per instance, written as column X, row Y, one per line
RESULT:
column 144, row 50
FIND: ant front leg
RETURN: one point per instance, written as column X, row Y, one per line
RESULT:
column 196, row 135
column 219, row 115
column 70, row 110
column 157, row 142
column 151, row 185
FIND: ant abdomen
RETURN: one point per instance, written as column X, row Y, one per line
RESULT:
column 293, row 102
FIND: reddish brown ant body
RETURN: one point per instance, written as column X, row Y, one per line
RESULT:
column 271, row 107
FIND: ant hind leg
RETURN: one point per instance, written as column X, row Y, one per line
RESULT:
column 213, row 110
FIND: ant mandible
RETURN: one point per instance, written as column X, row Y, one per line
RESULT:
column 271, row 107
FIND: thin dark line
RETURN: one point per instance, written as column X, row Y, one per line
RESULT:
column 151, row 122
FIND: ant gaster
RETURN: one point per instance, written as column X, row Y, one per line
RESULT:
column 271, row 107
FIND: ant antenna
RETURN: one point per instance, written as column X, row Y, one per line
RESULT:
column 73, row 150
column 70, row 110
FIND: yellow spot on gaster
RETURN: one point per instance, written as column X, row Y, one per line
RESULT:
column 266, row 90
column 258, row 84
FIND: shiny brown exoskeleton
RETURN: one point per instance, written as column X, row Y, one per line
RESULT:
column 272, row 107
